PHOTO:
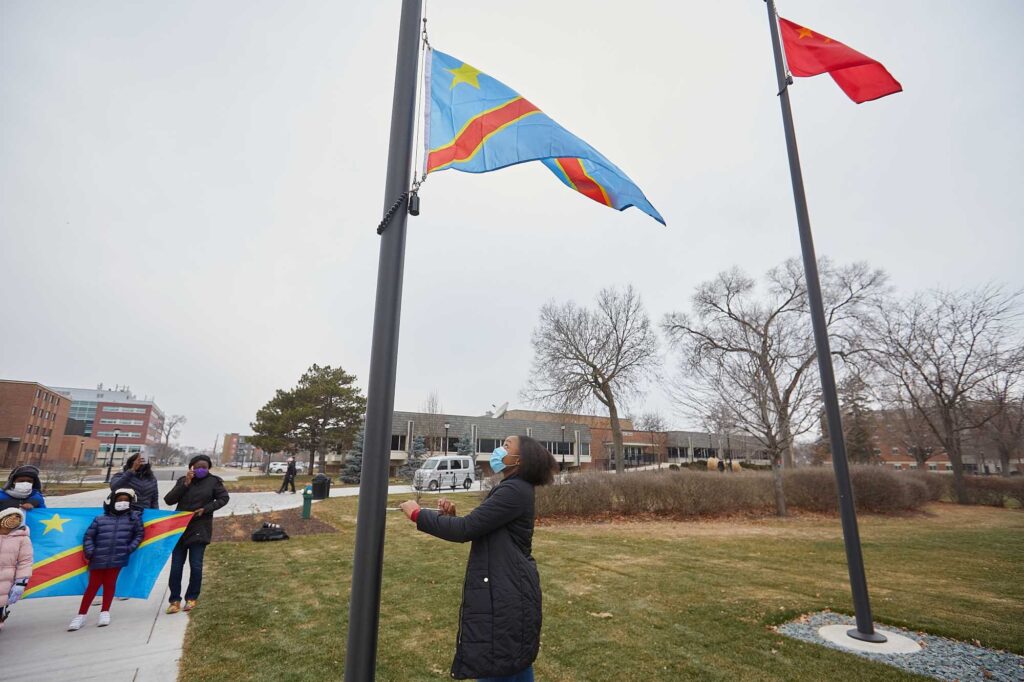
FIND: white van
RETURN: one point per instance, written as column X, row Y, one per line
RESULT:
column 445, row 471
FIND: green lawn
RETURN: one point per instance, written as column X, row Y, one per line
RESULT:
column 60, row 489
column 691, row 600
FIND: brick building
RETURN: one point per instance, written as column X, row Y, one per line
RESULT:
column 80, row 450
column 237, row 448
column 107, row 414
column 895, row 441
column 32, row 422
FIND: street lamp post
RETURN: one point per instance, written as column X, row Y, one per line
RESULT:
column 561, row 447
column 110, row 460
column 78, row 460
column 446, row 427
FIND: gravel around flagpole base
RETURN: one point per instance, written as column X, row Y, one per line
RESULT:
column 939, row 657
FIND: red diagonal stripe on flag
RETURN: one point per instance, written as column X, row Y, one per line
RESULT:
column 583, row 183
column 477, row 130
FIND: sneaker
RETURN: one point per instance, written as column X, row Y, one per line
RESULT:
column 174, row 607
column 76, row 623
column 104, row 619
column 190, row 604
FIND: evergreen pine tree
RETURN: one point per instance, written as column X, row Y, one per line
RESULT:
column 415, row 461
column 352, row 472
column 466, row 446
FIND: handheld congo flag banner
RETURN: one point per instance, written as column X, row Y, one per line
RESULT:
column 60, row 570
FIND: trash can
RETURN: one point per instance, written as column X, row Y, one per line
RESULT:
column 321, row 487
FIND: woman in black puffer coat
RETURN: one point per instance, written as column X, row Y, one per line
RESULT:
column 137, row 474
column 500, row 619
column 201, row 493
column 108, row 542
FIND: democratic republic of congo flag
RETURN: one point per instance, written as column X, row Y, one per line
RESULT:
column 60, row 569
column 477, row 124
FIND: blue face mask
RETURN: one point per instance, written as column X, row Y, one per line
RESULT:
column 496, row 464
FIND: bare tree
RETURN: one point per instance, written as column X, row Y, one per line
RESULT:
column 585, row 356
column 651, row 421
column 1004, row 397
column 433, row 421
column 754, row 355
column 912, row 431
column 941, row 350
column 172, row 428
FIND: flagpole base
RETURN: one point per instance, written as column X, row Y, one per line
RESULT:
column 879, row 642
column 873, row 637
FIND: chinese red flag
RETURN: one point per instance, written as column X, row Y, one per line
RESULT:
column 859, row 76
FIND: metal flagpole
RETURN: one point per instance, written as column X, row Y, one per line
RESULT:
column 367, row 564
column 851, row 536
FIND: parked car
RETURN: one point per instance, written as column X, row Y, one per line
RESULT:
column 445, row 471
column 278, row 467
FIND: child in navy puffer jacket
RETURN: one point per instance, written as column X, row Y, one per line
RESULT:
column 109, row 541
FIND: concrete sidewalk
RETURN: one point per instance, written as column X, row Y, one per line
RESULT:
column 141, row 643
column 240, row 503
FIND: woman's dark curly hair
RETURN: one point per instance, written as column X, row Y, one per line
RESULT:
column 536, row 465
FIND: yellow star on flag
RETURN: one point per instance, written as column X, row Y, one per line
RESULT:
column 804, row 33
column 55, row 522
column 464, row 74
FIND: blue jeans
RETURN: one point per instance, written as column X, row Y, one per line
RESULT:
column 522, row 676
column 195, row 554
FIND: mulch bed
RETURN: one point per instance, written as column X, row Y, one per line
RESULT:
column 239, row 528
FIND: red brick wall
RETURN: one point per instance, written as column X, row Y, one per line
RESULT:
column 79, row 450
column 37, row 416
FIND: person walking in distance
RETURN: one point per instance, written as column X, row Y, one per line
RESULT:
column 201, row 493
column 500, row 619
column 289, row 476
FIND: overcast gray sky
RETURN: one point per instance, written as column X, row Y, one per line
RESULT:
column 189, row 190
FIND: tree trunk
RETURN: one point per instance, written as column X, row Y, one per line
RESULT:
column 613, row 415
column 780, row 494
column 312, row 458
column 1004, row 460
column 956, row 459
column 323, row 461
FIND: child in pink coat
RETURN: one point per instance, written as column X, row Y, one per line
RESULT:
column 15, row 559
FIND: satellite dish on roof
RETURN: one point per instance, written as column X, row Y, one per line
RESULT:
column 500, row 412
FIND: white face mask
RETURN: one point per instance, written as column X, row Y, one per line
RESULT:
column 122, row 506
column 23, row 488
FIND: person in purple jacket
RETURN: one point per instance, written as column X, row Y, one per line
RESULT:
column 108, row 542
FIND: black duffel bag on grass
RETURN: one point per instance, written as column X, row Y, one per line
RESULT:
column 269, row 531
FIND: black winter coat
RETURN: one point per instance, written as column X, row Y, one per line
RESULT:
column 499, row 623
column 111, row 538
column 146, row 492
column 207, row 493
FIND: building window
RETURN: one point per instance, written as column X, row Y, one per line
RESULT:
column 398, row 443
column 29, row 428
column 118, row 408
column 34, row 412
column 489, row 445
column 123, row 422
column 933, row 467
column 123, row 434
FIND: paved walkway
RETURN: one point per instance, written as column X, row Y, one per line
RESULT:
column 142, row 643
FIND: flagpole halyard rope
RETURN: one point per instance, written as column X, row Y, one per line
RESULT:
column 412, row 196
